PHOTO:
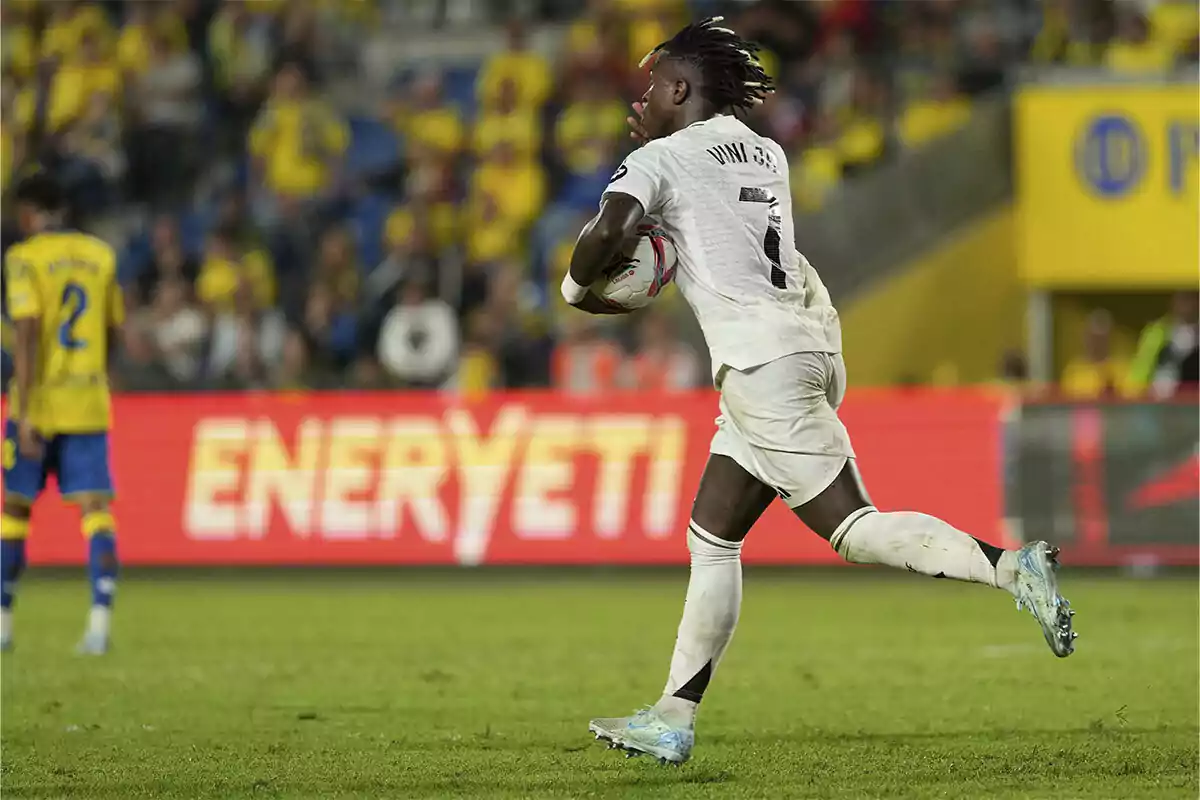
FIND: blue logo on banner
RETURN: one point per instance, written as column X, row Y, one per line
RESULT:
column 1110, row 155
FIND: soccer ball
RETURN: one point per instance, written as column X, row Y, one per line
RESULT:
column 644, row 268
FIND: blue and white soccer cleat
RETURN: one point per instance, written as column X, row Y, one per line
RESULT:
column 93, row 643
column 1037, row 590
column 646, row 732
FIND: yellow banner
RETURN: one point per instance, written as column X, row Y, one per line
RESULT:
column 1107, row 186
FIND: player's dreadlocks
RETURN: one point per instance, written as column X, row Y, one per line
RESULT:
column 732, row 75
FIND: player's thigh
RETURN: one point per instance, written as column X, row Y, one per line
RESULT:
column 730, row 500
column 84, row 475
column 841, row 498
column 24, row 477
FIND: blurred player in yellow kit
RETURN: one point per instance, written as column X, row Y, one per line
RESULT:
column 63, row 299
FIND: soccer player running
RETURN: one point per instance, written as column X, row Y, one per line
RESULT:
column 63, row 298
column 721, row 192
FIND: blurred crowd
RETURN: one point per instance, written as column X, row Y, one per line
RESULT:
column 1164, row 363
column 277, row 232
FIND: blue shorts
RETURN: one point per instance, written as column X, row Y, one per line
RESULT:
column 79, row 460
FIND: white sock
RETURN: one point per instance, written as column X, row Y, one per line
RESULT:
column 6, row 623
column 710, row 614
column 98, row 620
column 919, row 543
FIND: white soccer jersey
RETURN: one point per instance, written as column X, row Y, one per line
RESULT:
column 721, row 191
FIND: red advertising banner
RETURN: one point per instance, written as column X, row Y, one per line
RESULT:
column 343, row 478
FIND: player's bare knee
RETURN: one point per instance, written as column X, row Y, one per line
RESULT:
column 829, row 511
column 729, row 500
column 92, row 504
column 16, row 509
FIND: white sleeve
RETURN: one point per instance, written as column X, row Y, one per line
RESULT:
column 641, row 176
column 815, row 293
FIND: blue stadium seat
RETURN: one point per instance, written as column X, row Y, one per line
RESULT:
column 582, row 192
column 459, row 88
column 369, row 218
column 193, row 230
column 374, row 147
column 134, row 258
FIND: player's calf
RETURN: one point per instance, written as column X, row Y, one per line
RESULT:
column 99, row 528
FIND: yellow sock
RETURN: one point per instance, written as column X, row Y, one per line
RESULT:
column 13, row 527
column 97, row 522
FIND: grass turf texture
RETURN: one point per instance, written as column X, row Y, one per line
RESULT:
column 410, row 684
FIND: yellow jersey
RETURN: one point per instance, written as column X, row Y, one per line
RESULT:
column 68, row 280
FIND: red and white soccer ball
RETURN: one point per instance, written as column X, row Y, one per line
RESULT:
column 646, row 267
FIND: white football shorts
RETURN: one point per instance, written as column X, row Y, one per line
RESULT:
column 779, row 422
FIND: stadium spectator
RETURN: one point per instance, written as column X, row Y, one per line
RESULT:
column 516, row 69
column 1133, row 51
column 246, row 339
column 297, row 143
column 584, row 362
column 241, row 51
column 332, row 307
column 492, row 235
column 943, row 111
column 1168, row 352
column 143, row 20
column 587, row 127
column 137, row 365
column 9, row 152
column 292, row 372
column 861, row 137
column 478, row 371
column 230, row 278
column 165, row 107
column 418, row 342
column 84, row 72
column 76, row 30
column 411, row 255
column 661, row 362
column 522, row 347
column 432, row 204
column 648, row 23
column 1097, row 372
column 234, row 218
column 180, row 330
column 517, row 183
column 594, row 49
column 168, row 262
column 94, row 159
column 430, row 126
column 18, row 45
column 506, row 122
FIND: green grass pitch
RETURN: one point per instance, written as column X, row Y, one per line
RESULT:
column 408, row 684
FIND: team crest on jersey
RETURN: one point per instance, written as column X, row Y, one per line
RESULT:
column 621, row 172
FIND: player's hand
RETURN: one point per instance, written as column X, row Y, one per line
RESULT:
column 28, row 441
column 637, row 131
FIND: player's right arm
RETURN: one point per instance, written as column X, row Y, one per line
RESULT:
column 25, row 308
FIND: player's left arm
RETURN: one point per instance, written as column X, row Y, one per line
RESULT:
column 115, row 310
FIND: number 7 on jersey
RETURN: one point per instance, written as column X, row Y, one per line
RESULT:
column 771, row 239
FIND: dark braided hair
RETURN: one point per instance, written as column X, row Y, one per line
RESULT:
column 732, row 76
